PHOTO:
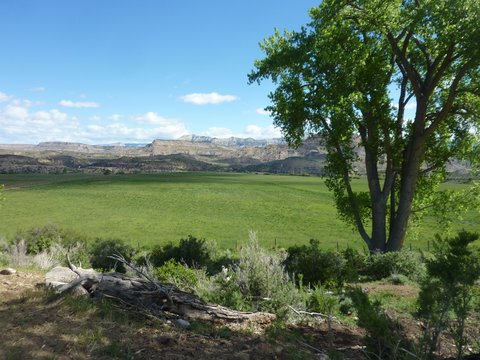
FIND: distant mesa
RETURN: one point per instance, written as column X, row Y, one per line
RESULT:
column 188, row 153
column 232, row 141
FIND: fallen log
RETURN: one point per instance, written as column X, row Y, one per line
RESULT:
column 146, row 294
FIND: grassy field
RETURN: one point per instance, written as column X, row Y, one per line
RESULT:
column 155, row 209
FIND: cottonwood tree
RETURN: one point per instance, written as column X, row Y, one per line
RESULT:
column 352, row 74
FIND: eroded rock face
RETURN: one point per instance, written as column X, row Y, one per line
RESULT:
column 8, row 271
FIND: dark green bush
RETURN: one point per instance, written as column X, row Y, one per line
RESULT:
column 103, row 248
column 356, row 262
column 317, row 266
column 383, row 265
column 346, row 305
column 192, row 251
column 447, row 294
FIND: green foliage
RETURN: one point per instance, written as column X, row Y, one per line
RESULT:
column 447, row 295
column 178, row 274
column 385, row 338
column 346, row 305
column 39, row 239
column 262, row 279
column 334, row 78
column 101, row 251
column 322, row 301
column 408, row 263
column 55, row 241
column 192, row 251
column 256, row 282
column 319, row 267
column 397, row 279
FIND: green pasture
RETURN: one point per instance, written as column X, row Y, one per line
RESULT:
column 155, row 209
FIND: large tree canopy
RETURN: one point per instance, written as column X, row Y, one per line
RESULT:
column 351, row 74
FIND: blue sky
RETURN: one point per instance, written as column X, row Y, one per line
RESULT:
column 106, row 71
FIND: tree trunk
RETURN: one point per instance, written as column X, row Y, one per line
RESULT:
column 379, row 224
column 408, row 185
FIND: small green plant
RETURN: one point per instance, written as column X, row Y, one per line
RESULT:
column 397, row 279
column 385, row 338
column 104, row 248
column 322, row 301
column 346, row 305
column 447, row 295
column 178, row 274
column 116, row 350
column 92, row 339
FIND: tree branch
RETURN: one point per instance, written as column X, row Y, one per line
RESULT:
column 450, row 99
column 403, row 62
column 421, row 46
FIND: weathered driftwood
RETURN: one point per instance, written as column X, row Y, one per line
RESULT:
column 147, row 294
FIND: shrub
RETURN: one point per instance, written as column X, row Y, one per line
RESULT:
column 223, row 289
column 322, row 301
column 3, row 249
column 40, row 238
column 53, row 242
column 384, row 336
column 192, row 251
column 382, row 265
column 178, row 274
column 318, row 267
column 346, row 305
column 262, row 279
column 355, row 263
column 447, row 295
column 397, row 279
column 257, row 282
column 103, row 248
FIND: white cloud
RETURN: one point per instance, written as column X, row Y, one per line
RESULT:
column 122, row 132
column 251, row 131
column 26, row 102
column 115, row 117
column 154, row 119
column 207, row 98
column 262, row 111
column 95, row 118
column 19, row 125
column 79, row 104
column 4, row 97
column 38, row 89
